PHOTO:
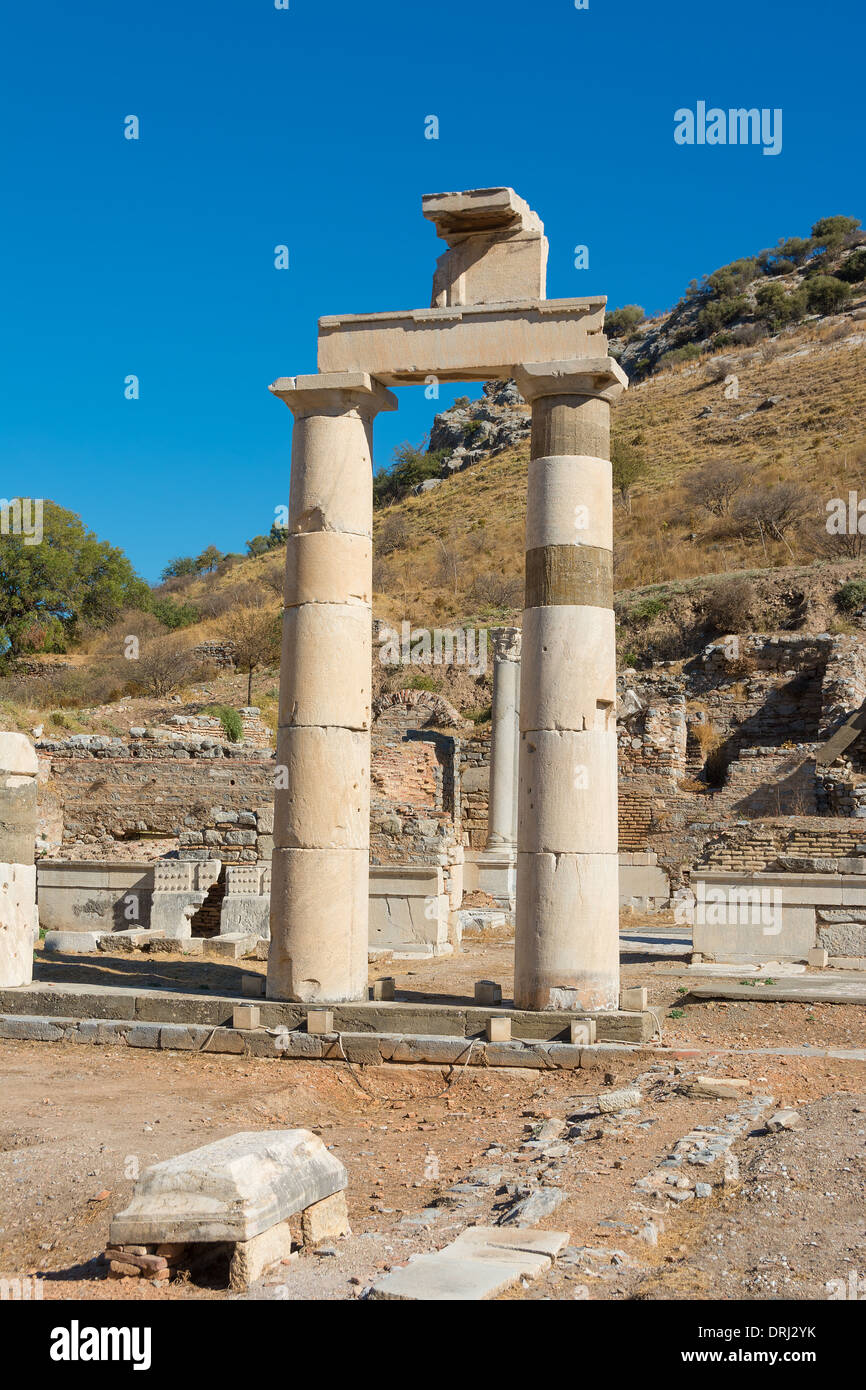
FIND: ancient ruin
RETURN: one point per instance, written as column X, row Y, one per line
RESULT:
column 489, row 317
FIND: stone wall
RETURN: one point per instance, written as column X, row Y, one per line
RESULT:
column 109, row 790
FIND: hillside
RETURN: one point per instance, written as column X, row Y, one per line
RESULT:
column 728, row 448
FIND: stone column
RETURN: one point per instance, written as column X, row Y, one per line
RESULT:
column 567, row 919
column 504, row 733
column 18, row 813
column 320, row 865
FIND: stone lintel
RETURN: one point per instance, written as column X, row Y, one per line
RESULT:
column 466, row 342
column 599, row 377
column 333, row 392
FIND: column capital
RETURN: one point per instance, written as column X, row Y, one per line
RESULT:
column 506, row 643
column 333, row 393
column 601, row 378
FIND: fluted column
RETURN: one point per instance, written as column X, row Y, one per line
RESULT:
column 567, row 918
column 504, row 737
column 320, row 866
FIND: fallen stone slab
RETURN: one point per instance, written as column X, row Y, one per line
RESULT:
column 529, row 1242
column 808, row 989
column 480, row 1264
column 717, row 1088
column 230, row 1190
column 80, row 943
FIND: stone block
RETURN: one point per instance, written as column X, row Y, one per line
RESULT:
column 498, row 1029
column 633, row 998
column 252, row 985
column 250, row 1258
column 326, row 1220
column 231, row 946
column 72, row 942
column 18, row 924
column 320, row 1020
column 230, row 1190
column 818, row 956
column 383, row 988
column 488, row 993
column 246, row 1016
column 582, row 1032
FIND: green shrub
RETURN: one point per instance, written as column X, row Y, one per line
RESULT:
column 421, row 682
column 853, row 270
column 851, row 596
column 230, row 720
column 622, row 321
column 720, row 312
column 646, row 609
column 775, row 307
column 825, row 294
column 732, row 279
column 174, row 615
column 687, row 353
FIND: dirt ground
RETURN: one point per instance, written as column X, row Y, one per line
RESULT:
column 78, row 1123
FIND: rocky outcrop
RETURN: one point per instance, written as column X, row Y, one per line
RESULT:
column 472, row 430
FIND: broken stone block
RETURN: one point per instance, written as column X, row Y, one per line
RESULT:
column 230, row 1190
column 526, row 1211
column 717, row 1088
column 612, row 1101
column 784, row 1119
column 326, row 1220
column 252, row 1257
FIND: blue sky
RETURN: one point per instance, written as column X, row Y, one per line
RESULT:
column 305, row 127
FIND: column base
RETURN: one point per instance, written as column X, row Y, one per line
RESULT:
column 567, row 932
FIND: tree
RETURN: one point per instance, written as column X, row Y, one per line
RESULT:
column 853, row 270
column 772, row 510
column 620, row 322
column 162, row 666
column 628, row 465
column 826, row 295
column 180, row 567
column 715, row 485
column 831, row 232
column 49, row 589
column 732, row 279
column 775, row 307
column 208, row 560
column 255, row 635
